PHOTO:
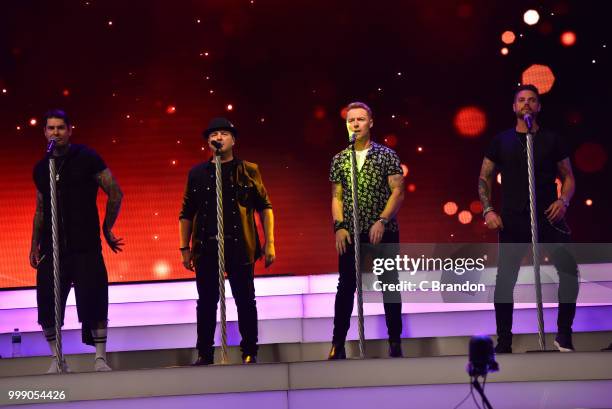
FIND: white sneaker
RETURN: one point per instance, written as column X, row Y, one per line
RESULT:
column 54, row 369
column 100, row 365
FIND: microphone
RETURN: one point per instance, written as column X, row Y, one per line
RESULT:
column 528, row 120
column 352, row 139
column 216, row 144
column 51, row 145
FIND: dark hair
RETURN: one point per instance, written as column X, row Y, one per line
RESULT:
column 362, row 105
column 527, row 87
column 56, row 113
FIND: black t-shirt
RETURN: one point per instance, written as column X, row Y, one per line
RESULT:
column 508, row 151
column 77, row 190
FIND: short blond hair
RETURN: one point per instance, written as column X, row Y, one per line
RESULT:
column 358, row 104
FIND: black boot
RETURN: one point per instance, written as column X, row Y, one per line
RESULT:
column 395, row 349
column 337, row 352
column 249, row 358
column 205, row 358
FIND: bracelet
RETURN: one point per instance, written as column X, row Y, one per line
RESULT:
column 340, row 225
column 184, row 248
column 487, row 210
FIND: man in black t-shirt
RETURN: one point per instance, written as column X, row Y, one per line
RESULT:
column 243, row 194
column 79, row 173
column 507, row 153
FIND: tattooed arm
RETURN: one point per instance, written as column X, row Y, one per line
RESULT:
column 113, row 204
column 342, row 235
column 37, row 227
column 556, row 211
column 396, row 183
column 485, row 183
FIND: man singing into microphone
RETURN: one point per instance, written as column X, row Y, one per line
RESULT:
column 380, row 192
column 508, row 152
column 243, row 193
column 79, row 173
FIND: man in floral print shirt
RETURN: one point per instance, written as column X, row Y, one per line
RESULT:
column 380, row 191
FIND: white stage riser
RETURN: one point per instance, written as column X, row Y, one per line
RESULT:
column 297, row 330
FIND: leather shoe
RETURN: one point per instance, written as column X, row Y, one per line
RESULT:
column 504, row 346
column 337, row 352
column 204, row 360
column 249, row 359
column 395, row 349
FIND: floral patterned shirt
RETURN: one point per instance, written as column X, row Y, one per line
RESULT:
column 373, row 189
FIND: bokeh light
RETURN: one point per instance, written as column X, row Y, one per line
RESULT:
column 66, row 92
column 476, row 207
column 588, row 202
column 450, row 208
column 319, row 113
column 504, row 51
column 411, row 188
column 171, row 109
column 465, row 217
column 508, row 37
column 161, row 269
column 539, row 75
column 33, row 122
column 229, row 107
column 470, row 121
column 590, row 157
column 390, row 140
column 568, row 38
column 498, row 178
column 531, row 17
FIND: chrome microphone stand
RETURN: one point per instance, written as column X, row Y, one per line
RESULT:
column 356, row 242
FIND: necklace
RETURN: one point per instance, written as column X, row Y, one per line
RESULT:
column 59, row 171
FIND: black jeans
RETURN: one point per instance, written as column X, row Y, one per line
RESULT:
column 517, row 229
column 241, row 278
column 347, row 284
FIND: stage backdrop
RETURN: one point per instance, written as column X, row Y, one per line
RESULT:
column 141, row 79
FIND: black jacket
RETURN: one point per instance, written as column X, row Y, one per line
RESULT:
column 251, row 195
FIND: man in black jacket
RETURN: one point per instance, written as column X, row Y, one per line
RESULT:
column 243, row 194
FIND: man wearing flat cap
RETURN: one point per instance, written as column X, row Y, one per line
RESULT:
column 243, row 194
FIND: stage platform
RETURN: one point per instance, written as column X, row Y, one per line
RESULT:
column 152, row 333
column 532, row 380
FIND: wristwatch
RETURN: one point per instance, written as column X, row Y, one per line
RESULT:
column 384, row 221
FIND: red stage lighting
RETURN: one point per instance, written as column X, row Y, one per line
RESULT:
column 470, row 121
column 568, row 38
column 450, row 208
column 539, row 75
column 465, row 217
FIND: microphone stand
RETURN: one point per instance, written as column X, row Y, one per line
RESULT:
column 480, row 391
column 221, row 252
column 534, row 232
column 56, row 258
column 356, row 242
